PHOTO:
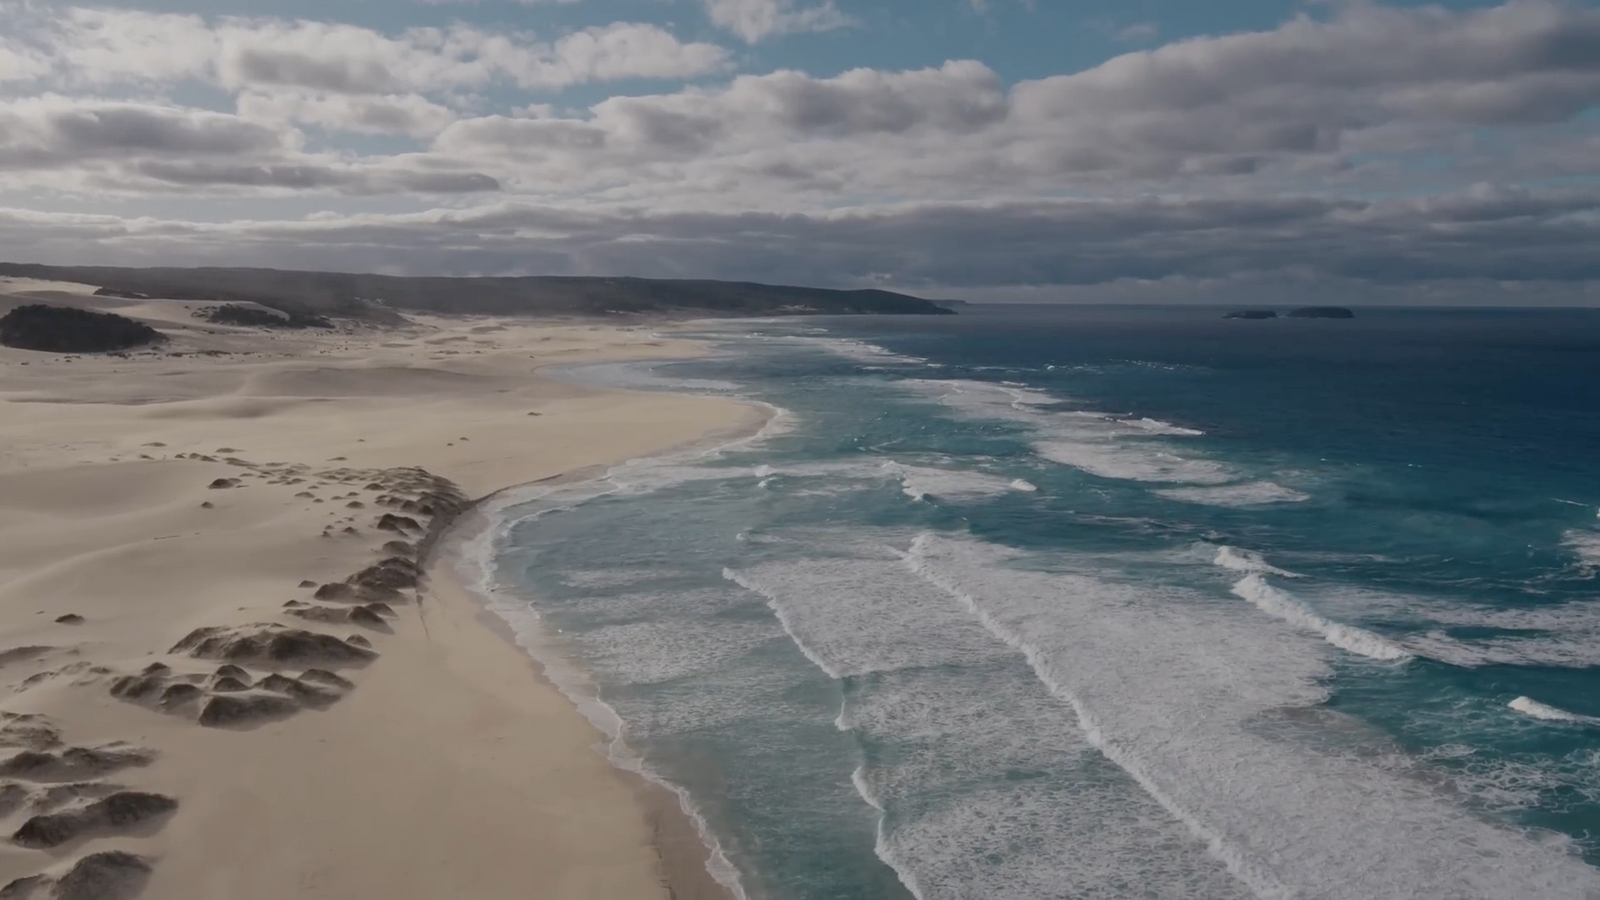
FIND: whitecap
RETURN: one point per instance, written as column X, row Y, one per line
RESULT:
column 921, row 483
column 1250, row 493
column 1585, row 545
column 1280, row 603
column 1530, row 707
column 1247, row 561
column 1560, row 635
column 863, row 351
column 1132, row 463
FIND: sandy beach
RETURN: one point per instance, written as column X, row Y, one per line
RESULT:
column 229, row 670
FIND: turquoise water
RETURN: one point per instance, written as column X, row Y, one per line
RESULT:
column 1051, row 603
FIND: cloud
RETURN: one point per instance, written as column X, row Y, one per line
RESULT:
column 110, row 46
column 54, row 131
column 1309, row 101
column 408, row 114
column 19, row 62
column 1204, row 161
column 757, row 20
column 311, row 176
column 76, row 144
column 1135, row 33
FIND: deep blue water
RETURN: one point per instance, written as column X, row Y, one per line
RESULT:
column 1085, row 602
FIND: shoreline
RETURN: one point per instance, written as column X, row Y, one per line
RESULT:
column 396, row 744
column 689, row 852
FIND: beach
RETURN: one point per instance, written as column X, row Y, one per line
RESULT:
column 231, row 668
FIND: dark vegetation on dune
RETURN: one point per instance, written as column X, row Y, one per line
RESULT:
column 378, row 297
column 265, row 318
column 60, row 329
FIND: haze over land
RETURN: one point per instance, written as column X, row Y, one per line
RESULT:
column 984, row 149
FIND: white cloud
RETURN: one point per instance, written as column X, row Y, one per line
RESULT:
column 19, row 62
column 406, row 114
column 1305, row 101
column 105, row 46
column 757, row 20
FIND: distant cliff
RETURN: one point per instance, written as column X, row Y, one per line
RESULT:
column 376, row 297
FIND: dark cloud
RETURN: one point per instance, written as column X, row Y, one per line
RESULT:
column 346, row 75
column 348, row 180
column 129, row 129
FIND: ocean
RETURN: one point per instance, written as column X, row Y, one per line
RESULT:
column 1081, row 602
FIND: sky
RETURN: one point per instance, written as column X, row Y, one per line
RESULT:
column 1041, row 150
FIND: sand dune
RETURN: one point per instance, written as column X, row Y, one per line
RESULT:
column 227, row 672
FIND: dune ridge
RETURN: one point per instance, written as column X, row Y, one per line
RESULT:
column 229, row 670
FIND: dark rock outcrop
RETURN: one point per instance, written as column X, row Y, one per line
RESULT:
column 391, row 574
column 391, row 522
column 108, row 875
column 61, row 329
column 29, row 731
column 73, row 763
column 243, row 709
column 270, row 645
column 117, row 813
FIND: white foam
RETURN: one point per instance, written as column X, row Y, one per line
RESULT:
column 1275, row 602
column 1027, row 487
column 1239, row 560
column 920, row 483
column 1168, row 686
column 1103, row 445
column 1156, row 426
column 1249, row 493
column 1578, row 651
column 962, row 712
column 851, row 617
column 1132, row 463
column 1585, row 544
column 1530, row 707
column 865, row 352
column 1562, row 635
column 657, row 651
column 983, row 399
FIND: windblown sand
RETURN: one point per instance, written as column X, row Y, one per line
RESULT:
column 223, row 672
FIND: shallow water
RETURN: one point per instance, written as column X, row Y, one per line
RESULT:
column 1038, row 603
